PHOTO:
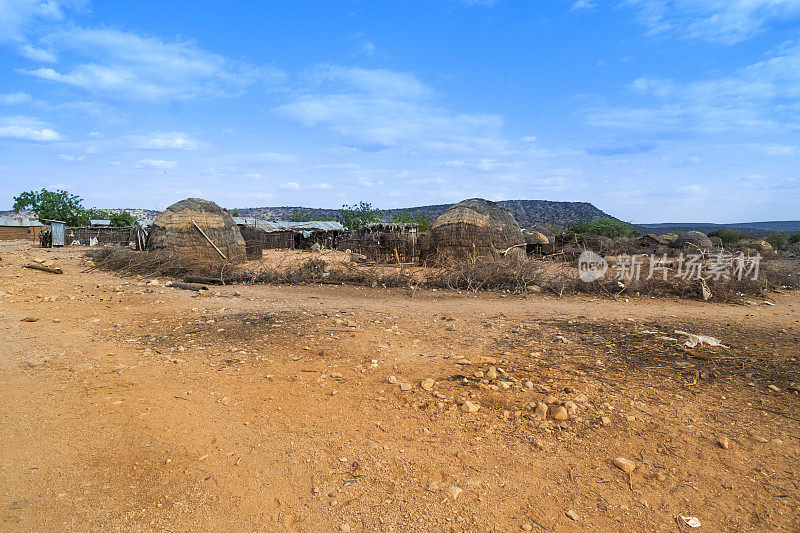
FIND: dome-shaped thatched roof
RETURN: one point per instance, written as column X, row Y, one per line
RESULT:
column 472, row 228
column 534, row 237
column 695, row 238
column 189, row 228
column 762, row 246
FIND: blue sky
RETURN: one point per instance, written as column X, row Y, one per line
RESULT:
column 681, row 110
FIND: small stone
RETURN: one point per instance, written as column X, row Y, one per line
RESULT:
column 34, row 362
column 469, row 407
column 433, row 486
column 571, row 407
column 774, row 388
column 606, row 421
column 427, row 384
column 345, row 528
column 559, row 412
column 724, row 443
column 661, row 476
column 526, row 527
column 541, row 411
column 779, row 442
column 491, row 374
column 630, row 418
column 30, row 319
column 453, row 491
column 761, row 440
column 572, row 515
column 529, row 385
column 550, row 399
column 81, row 366
column 626, row 465
column 405, row 386
column 392, row 380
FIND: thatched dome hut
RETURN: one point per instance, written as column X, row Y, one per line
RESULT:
column 473, row 228
column 199, row 230
column 762, row 246
column 695, row 238
column 535, row 237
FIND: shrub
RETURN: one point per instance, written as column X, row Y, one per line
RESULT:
column 778, row 239
column 604, row 226
column 727, row 235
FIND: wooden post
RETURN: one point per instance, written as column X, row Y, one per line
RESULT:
column 203, row 233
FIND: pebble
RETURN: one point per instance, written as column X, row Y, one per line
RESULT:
column 34, row 362
column 406, row 386
column 558, row 412
column 606, row 421
column 427, row 384
column 345, row 528
column 661, row 476
column 571, row 407
column 491, row 374
column 453, row 491
column 540, row 411
column 526, row 527
column 81, row 366
column 774, row 388
column 572, row 515
column 528, row 385
column 761, row 440
column 392, row 380
column 469, row 407
column 626, row 465
column 724, row 443
column 550, row 399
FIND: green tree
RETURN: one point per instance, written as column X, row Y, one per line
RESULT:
column 358, row 215
column 727, row 235
column 53, row 205
column 778, row 239
column 794, row 239
column 122, row 219
column 235, row 213
column 300, row 215
column 605, row 226
column 420, row 219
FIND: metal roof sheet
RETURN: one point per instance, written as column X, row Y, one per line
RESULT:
column 284, row 225
column 20, row 221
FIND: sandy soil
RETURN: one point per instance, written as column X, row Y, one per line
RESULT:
column 135, row 407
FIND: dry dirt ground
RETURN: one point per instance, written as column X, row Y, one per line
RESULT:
column 135, row 407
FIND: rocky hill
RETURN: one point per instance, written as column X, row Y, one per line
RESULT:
column 527, row 212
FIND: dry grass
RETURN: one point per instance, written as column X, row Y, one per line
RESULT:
column 481, row 274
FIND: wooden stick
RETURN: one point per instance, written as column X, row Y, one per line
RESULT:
column 45, row 269
column 209, row 240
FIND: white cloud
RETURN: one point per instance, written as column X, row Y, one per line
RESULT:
column 754, row 99
column 172, row 140
column 725, row 21
column 159, row 164
column 583, row 5
column 19, row 17
column 320, row 186
column 291, row 185
column 127, row 66
column 27, row 129
column 15, row 98
column 380, row 110
column 68, row 157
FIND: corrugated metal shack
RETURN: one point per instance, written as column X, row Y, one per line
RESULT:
column 384, row 242
column 21, row 228
column 260, row 235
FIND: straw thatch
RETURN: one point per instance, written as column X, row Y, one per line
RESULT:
column 535, row 237
column 472, row 228
column 176, row 230
column 696, row 238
